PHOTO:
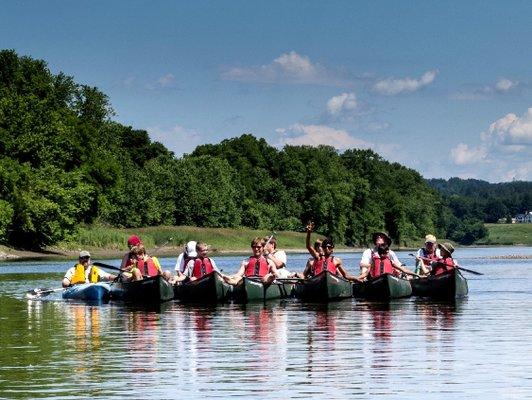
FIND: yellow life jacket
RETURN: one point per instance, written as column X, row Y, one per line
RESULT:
column 79, row 274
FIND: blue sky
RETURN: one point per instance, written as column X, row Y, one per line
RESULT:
column 441, row 87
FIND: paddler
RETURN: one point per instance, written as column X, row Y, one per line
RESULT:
column 445, row 262
column 84, row 272
column 278, row 257
column 199, row 266
column 145, row 265
column 425, row 255
column 255, row 266
column 382, row 263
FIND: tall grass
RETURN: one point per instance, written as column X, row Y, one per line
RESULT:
column 508, row 234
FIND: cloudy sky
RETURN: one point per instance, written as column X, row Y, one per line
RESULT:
column 441, row 87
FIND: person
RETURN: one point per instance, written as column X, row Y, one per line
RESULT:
column 316, row 251
column 198, row 267
column 428, row 253
column 257, row 266
column 127, row 260
column 145, row 265
column 381, row 263
column 189, row 253
column 445, row 262
column 84, row 272
column 278, row 257
column 326, row 261
column 379, row 239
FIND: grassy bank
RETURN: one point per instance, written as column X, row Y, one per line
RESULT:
column 508, row 235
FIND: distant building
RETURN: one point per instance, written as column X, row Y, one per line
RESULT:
column 525, row 218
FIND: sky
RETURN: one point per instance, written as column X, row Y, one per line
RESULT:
column 444, row 88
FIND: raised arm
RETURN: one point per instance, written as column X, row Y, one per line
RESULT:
column 311, row 250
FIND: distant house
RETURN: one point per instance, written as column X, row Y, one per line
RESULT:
column 525, row 218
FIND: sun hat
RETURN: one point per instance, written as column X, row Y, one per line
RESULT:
column 84, row 253
column 448, row 247
column 133, row 240
column 430, row 239
column 387, row 238
column 190, row 250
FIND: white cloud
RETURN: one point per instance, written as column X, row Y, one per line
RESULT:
column 287, row 68
column 344, row 102
column 504, row 85
column 176, row 138
column 462, row 154
column 512, row 130
column 391, row 87
column 315, row 135
column 167, row 80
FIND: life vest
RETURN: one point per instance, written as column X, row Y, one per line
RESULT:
column 149, row 267
column 202, row 267
column 257, row 267
column 79, row 274
column 381, row 265
column 443, row 265
column 428, row 257
column 322, row 264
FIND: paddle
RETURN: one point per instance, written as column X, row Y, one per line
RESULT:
column 456, row 266
column 41, row 292
column 99, row 264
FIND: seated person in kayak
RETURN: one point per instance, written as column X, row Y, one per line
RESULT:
column 84, row 272
column 189, row 253
column 382, row 263
column 379, row 239
column 316, row 251
column 145, row 265
column 198, row 267
column 127, row 260
column 445, row 262
column 428, row 253
column 325, row 262
column 255, row 266
column 278, row 257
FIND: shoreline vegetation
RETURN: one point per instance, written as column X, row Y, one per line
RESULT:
column 167, row 241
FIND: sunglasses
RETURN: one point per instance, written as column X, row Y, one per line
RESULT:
column 84, row 258
column 256, row 247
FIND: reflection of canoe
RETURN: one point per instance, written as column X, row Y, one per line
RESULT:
column 449, row 285
column 385, row 287
column 149, row 290
column 210, row 288
column 88, row 291
column 323, row 287
column 252, row 289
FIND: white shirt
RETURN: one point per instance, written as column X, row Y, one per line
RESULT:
column 180, row 263
column 420, row 253
column 102, row 275
column 190, row 267
column 367, row 259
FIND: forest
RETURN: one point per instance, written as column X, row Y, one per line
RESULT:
column 65, row 163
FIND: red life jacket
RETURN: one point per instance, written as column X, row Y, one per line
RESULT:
column 381, row 265
column 323, row 264
column 429, row 256
column 202, row 267
column 443, row 265
column 257, row 267
column 147, row 267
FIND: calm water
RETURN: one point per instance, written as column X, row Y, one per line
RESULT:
column 480, row 347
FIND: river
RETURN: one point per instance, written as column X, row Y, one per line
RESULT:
column 479, row 347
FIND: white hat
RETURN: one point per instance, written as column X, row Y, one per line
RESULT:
column 84, row 253
column 191, row 249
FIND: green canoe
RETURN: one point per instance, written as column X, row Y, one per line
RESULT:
column 149, row 290
column 210, row 288
column 323, row 287
column 252, row 289
column 385, row 287
column 449, row 285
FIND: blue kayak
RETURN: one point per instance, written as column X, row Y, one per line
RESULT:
column 88, row 291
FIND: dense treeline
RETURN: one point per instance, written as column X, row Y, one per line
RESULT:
column 489, row 202
column 63, row 162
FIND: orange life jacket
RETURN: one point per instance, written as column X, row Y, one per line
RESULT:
column 428, row 257
column 323, row 264
column 148, row 267
column 257, row 267
column 380, row 266
column 202, row 267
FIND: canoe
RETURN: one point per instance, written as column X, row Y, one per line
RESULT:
column 149, row 290
column 252, row 289
column 88, row 291
column 449, row 285
column 385, row 287
column 210, row 288
column 323, row 287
